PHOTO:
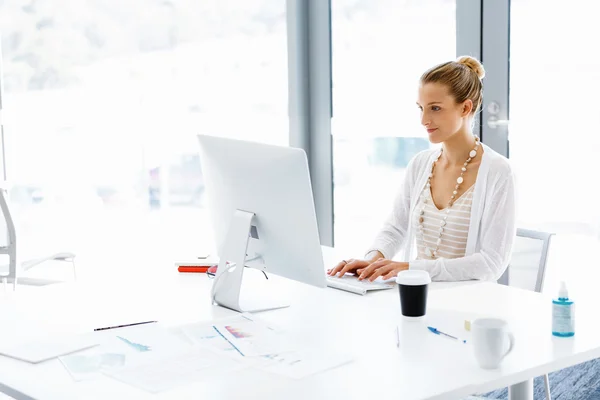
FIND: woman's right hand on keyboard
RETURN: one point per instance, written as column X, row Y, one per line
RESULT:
column 351, row 265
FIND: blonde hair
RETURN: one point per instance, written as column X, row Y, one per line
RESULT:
column 463, row 78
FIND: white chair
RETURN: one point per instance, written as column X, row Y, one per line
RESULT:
column 10, row 272
column 527, row 267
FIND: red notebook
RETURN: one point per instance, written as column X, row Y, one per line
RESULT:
column 195, row 266
column 183, row 268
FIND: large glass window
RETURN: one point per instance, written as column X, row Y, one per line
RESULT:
column 554, row 135
column 380, row 49
column 103, row 99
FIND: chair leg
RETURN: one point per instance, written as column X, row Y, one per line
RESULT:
column 547, row 386
column 5, row 283
column 74, row 270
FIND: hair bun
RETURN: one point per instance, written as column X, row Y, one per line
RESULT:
column 473, row 64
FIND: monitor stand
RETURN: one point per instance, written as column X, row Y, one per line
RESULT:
column 227, row 285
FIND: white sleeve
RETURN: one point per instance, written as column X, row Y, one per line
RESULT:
column 371, row 254
column 497, row 234
column 393, row 233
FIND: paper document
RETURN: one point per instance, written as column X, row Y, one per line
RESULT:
column 243, row 334
column 263, row 347
column 148, row 338
column 160, row 373
column 89, row 366
column 206, row 336
column 121, row 347
column 48, row 348
column 303, row 363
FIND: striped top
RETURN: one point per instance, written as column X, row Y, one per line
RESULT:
column 456, row 231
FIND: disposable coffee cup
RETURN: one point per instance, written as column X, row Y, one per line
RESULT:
column 413, row 286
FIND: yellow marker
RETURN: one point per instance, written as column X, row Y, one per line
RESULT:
column 467, row 325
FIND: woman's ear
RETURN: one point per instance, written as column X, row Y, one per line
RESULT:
column 467, row 108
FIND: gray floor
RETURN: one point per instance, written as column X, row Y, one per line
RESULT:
column 581, row 382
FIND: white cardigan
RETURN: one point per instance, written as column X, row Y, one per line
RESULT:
column 492, row 227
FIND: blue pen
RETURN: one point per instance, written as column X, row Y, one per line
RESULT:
column 438, row 332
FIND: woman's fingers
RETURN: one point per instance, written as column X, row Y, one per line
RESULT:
column 351, row 266
column 372, row 267
column 390, row 275
column 382, row 271
column 337, row 268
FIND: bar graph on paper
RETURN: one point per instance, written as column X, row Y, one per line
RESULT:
column 237, row 332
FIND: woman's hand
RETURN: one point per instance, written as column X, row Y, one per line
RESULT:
column 351, row 265
column 370, row 270
column 382, row 267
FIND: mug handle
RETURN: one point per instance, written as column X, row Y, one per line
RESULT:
column 511, row 343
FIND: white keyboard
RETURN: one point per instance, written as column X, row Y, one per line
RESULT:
column 350, row 283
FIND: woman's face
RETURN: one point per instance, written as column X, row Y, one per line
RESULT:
column 441, row 115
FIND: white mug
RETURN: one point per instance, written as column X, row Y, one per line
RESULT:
column 489, row 336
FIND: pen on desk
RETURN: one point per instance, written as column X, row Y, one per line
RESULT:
column 123, row 326
column 438, row 332
column 397, row 337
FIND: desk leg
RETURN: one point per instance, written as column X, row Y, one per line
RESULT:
column 521, row 391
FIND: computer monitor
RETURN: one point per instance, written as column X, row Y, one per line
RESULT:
column 263, row 215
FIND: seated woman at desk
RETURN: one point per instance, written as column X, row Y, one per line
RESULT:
column 457, row 202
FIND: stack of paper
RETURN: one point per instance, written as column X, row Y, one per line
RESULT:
column 121, row 347
column 265, row 347
column 302, row 363
column 155, row 359
column 164, row 372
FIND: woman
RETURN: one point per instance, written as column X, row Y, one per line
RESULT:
column 457, row 202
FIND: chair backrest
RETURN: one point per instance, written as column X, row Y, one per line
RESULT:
column 11, row 246
column 527, row 267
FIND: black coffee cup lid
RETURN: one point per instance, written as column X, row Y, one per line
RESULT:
column 413, row 278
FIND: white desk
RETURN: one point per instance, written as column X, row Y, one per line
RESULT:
column 425, row 367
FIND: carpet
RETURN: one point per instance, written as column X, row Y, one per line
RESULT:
column 581, row 382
